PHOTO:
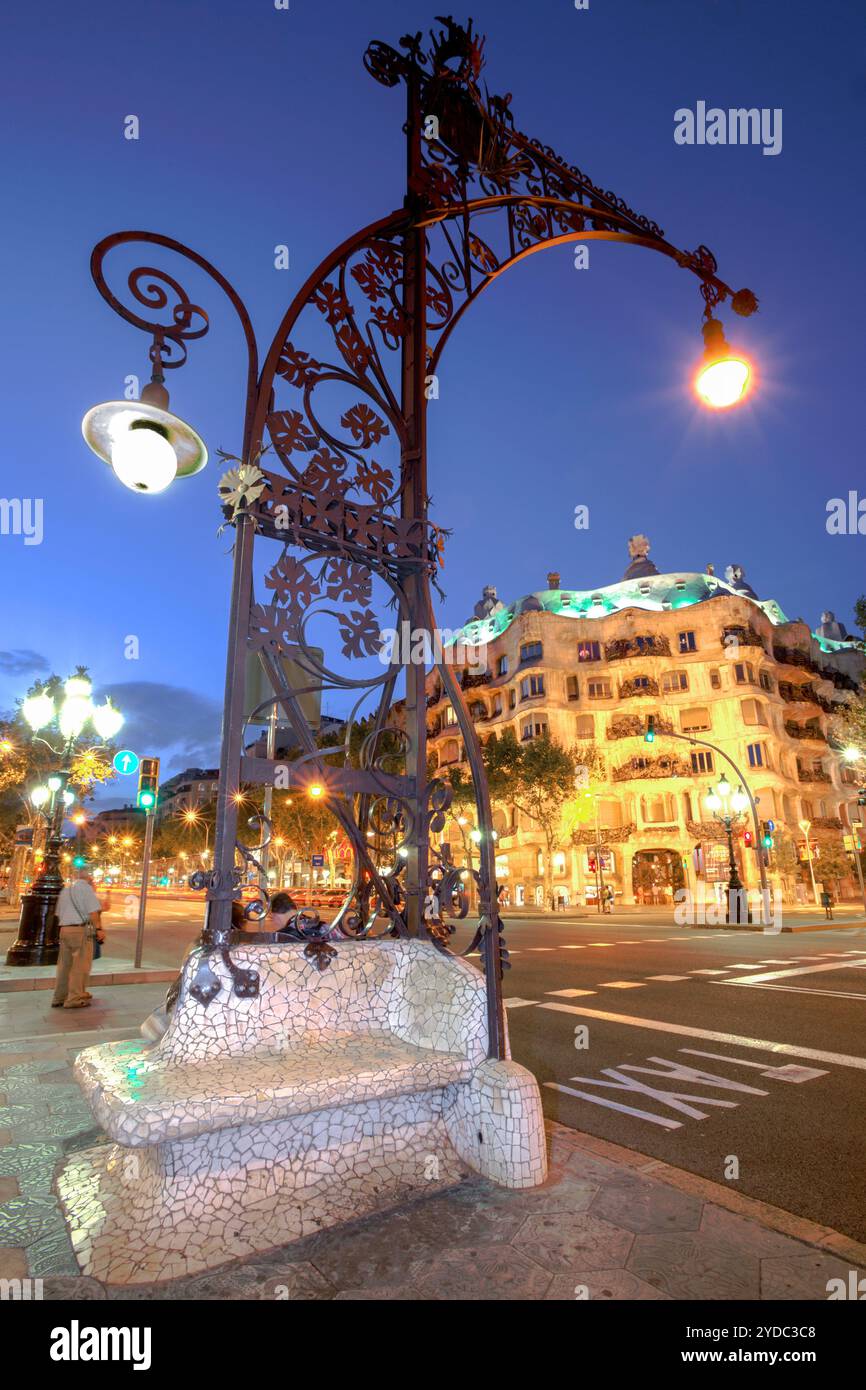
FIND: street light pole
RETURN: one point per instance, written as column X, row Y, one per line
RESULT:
column 806, row 826
column 723, row 803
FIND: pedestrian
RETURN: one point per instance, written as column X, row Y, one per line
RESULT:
column 79, row 915
column 608, row 898
column 283, row 908
column 827, row 904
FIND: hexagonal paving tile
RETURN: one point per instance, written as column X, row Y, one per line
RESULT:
column 648, row 1207
column 806, row 1276
column 601, row 1286
column 482, row 1272
column 573, row 1240
column 695, row 1265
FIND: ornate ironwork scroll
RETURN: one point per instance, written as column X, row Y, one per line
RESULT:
column 333, row 473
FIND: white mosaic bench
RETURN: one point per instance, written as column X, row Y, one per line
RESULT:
column 327, row 1096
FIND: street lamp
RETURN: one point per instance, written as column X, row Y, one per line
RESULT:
column 68, row 714
column 727, row 806
column 146, row 445
column 724, row 375
column 480, row 198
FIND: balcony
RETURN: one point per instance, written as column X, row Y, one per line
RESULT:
column 647, row 686
column 813, row 774
column 624, row 647
column 634, row 726
column 468, row 682
column 744, row 636
column 639, row 768
column 811, row 730
column 827, row 823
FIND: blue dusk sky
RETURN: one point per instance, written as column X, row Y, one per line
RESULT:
column 258, row 127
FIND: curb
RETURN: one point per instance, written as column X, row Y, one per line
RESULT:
column 27, row 984
column 784, row 1222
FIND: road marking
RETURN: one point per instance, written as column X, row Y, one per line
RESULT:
column 569, row 993
column 517, row 1003
column 797, row 989
column 538, row 948
column 711, row 972
column 621, row 984
column 667, row 977
column 814, row 1054
column 791, row 1073
column 763, row 975
column 574, row 948
column 602, row 943
column 661, row 1120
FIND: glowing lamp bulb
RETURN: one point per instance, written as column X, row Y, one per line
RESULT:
column 55, row 783
column 143, row 459
column 107, row 721
column 68, row 798
column 38, row 710
column 39, row 796
column 74, row 714
column 316, row 789
column 723, row 376
column 78, row 685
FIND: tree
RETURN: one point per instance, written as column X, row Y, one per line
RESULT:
column 538, row 778
column 832, row 863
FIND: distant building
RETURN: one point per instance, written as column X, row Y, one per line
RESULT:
column 115, row 821
column 705, row 656
column 187, row 791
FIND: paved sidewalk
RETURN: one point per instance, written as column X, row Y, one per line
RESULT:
column 608, row 1224
column 108, row 970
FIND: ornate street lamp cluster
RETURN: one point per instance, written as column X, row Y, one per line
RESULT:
column 69, row 715
column 728, row 806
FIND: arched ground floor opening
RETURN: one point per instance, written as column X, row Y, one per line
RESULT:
column 656, row 876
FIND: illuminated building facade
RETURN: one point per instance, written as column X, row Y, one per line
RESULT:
column 706, row 657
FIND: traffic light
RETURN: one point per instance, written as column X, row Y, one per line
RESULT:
column 592, row 866
column 148, row 784
column 861, row 797
column 748, row 838
column 79, row 861
column 650, row 735
column 767, row 826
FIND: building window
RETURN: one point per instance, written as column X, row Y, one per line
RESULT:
column 531, row 686
column 449, row 717
column 559, row 862
column 758, row 755
column 744, row 673
column 695, row 721
column 502, row 666
column 753, row 712
column 598, row 690
column 533, row 728
column 585, row 726
column 450, row 752
column 531, row 651
column 512, row 699
column 766, row 681
column 589, row 651
column 572, row 688
column 497, row 705
column 702, row 762
column 673, row 681
column 715, row 679
column 640, row 683
column 687, row 642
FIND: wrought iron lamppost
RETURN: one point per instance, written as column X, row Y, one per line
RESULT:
column 480, row 197
column 728, row 806
column 37, row 942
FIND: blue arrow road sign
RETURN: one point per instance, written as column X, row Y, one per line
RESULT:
column 126, row 762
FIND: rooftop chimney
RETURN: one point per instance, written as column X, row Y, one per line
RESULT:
column 553, row 580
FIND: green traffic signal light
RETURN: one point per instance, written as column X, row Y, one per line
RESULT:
column 146, row 799
column 79, row 861
column 767, row 842
column 650, row 735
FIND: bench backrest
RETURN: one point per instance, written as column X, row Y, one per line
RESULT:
column 406, row 988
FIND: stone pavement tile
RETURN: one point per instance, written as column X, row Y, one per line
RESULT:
column 5, row 1136
column 13, row 1263
column 32, row 1165
column 69, row 1290
column 648, row 1207
column 457, row 1218
column 588, row 1168
column 264, row 1281
column 23, row 1220
column 695, row 1265
column 377, row 1250
column 602, row 1285
column 8, row 1189
column 483, row 1272
column 382, row 1292
column 804, row 1276
column 560, row 1241
column 52, row 1256
column 753, row 1238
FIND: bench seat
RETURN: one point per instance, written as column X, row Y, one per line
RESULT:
column 140, row 1100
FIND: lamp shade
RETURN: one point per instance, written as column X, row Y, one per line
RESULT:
column 135, row 437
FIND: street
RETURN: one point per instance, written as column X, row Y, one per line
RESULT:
column 774, row 1024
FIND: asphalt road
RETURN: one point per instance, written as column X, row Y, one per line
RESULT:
column 776, row 1024
column 772, row 1028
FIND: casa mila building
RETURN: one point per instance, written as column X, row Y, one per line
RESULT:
column 705, row 656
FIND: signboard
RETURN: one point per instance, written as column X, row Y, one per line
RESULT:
column 258, row 688
column 604, row 858
column 24, row 835
column 317, row 861
column 126, row 762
